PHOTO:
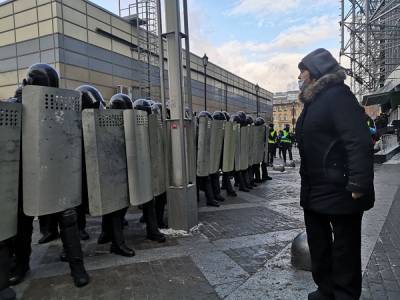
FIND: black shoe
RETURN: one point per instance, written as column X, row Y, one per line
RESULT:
column 157, row 237
column 268, row 178
column 103, row 239
column 125, row 223
column 122, row 250
column 258, row 181
column 219, row 198
column 84, row 236
column 79, row 274
column 48, row 237
column 213, row 203
column 18, row 275
column 63, row 256
column 318, row 295
column 231, row 193
column 142, row 220
column 8, row 294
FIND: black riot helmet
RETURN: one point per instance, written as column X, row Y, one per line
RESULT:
column 120, row 101
column 91, row 97
column 235, row 118
column 227, row 116
column 259, row 121
column 219, row 115
column 249, row 120
column 156, row 108
column 242, row 117
column 271, row 125
column 205, row 114
column 142, row 104
column 42, row 75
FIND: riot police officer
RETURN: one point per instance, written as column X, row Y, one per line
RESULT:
column 149, row 208
column 258, row 179
column 249, row 175
column 45, row 75
column 7, row 293
column 112, row 223
column 241, row 176
column 218, row 115
column 204, row 181
column 226, row 176
column 160, row 200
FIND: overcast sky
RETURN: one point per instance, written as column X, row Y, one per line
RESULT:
column 260, row 40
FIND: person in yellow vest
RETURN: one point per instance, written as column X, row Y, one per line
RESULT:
column 272, row 140
column 287, row 141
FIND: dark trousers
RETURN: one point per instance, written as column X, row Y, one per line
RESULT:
column 271, row 153
column 5, row 264
column 335, row 247
column 287, row 147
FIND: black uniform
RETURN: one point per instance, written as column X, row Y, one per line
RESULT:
column 45, row 75
column 336, row 161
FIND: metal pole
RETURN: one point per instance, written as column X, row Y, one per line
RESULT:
column 205, row 87
column 187, row 51
column 226, row 97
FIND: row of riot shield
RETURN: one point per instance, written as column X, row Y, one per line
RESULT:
column 123, row 152
column 228, row 146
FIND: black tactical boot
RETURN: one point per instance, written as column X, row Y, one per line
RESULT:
column 161, row 201
column 318, row 295
column 72, row 246
column 250, row 173
column 216, row 187
column 48, row 228
column 209, row 193
column 240, row 182
column 228, row 185
column 22, row 248
column 6, row 293
column 106, row 233
column 257, row 173
column 149, row 213
column 245, row 176
column 264, row 170
column 118, row 245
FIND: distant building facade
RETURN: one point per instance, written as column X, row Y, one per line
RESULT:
column 90, row 45
column 286, row 109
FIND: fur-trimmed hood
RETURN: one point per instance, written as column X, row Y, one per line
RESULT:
column 312, row 90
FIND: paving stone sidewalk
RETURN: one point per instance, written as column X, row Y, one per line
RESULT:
column 241, row 250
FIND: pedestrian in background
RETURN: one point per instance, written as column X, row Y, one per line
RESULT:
column 336, row 175
column 272, row 140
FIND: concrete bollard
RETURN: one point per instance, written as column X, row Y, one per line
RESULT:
column 279, row 168
column 300, row 251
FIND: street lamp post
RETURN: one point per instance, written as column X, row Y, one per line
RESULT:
column 205, row 63
column 257, row 87
column 293, row 114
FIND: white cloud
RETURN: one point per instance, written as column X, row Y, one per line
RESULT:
column 262, row 7
column 271, row 64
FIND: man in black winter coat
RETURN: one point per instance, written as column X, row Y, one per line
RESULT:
column 336, row 175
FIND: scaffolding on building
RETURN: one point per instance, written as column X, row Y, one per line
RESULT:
column 143, row 15
column 370, row 40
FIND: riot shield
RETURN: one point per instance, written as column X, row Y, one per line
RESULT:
column 236, row 134
column 138, row 156
column 52, row 150
column 244, row 147
column 230, row 138
column 216, row 141
column 266, row 132
column 203, row 147
column 190, row 134
column 259, row 144
column 157, row 154
column 10, row 143
column 251, row 139
column 105, row 157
